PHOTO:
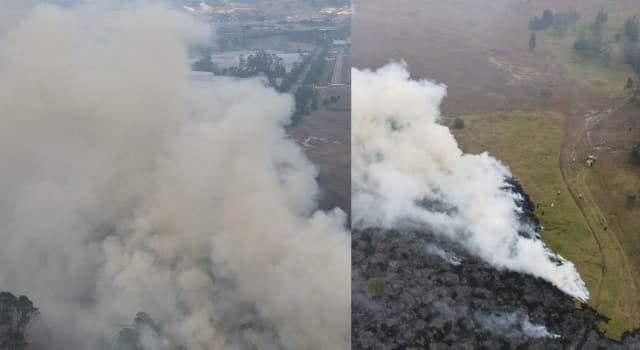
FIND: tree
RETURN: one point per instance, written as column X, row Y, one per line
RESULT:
column 631, row 28
column 547, row 17
column 632, row 200
column 632, row 55
column 601, row 19
column 458, row 123
column 532, row 41
column 629, row 84
column 536, row 23
column 635, row 153
column 16, row 316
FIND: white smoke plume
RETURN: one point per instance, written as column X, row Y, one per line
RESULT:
column 126, row 186
column 408, row 171
column 447, row 256
column 512, row 324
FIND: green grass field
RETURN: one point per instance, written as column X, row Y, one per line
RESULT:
column 530, row 144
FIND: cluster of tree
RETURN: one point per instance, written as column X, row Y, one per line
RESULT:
column 560, row 22
column 631, row 53
column 306, row 97
column 16, row 316
column 593, row 45
column 541, row 23
column 632, row 56
column 293, row 74
column 259, row 63
column 591, row 42
column 306, row 102
column 631, row 43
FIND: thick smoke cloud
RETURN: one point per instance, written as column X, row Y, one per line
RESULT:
column 408, row 171
column 127, row 186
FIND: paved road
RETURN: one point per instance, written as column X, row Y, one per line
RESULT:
column 336, row 77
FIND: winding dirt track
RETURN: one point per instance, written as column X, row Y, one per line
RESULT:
column 601, row 230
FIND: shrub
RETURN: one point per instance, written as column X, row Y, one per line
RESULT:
column 635, row 153
column 458, row 123
column 375, row 285
column 632, row 200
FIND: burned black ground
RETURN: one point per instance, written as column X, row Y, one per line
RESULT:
column 413, row 289
column 431, row 302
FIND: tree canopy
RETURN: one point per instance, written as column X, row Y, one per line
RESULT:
column 601, row 19
column 631, row 28
column 16, row 316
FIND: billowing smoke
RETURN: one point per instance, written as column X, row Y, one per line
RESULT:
column 408, row 172
column 128, row 187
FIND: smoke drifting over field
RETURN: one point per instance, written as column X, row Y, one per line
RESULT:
column 128, row 187
column 408, row 172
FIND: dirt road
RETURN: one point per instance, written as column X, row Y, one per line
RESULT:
column 578, row 145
